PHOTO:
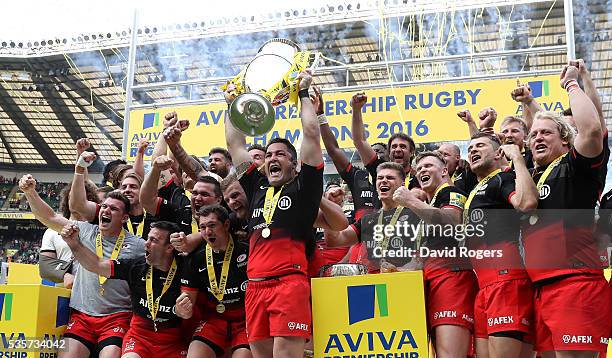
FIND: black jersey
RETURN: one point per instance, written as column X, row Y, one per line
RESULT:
column 195, row 277
column 134, row 271
column 284, row 251
column 370, row 234
column 495, row 226
column 365, row 197
column 561, row 242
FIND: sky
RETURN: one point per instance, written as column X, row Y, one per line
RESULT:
column 33, row 20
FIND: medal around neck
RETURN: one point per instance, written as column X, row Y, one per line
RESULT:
column 265, row 232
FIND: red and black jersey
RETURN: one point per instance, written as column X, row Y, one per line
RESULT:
column 134, row 271
column 284, row 252
column 195, row 277
column 561, row 242
column 239, row 227
column 447, row 197
column 369, row 233
column 373, row 165
column 365, row 197
column 495, row 225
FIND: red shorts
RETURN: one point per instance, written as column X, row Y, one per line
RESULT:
column 325, row 256
column 573, row 314
column 146, row 342
column 221, row 334
column 278, row 308
column 100, row 331
column 504, row 306
column 450, row 299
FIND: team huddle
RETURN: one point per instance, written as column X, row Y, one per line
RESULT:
column 215, row 260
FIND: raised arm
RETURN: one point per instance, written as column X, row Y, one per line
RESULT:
column 526, row 195
column 364, row 149
column 148, row 190
column 466, row 116
column 41, row 210
column 311, row 144
column 329, row 140
column 591, row 91
column 78, row 197
column 236, row 140
column 172, row 136
column 331, row 216
column 86, row 258
column 139, row 160
column 589, row 139
column 522, row 95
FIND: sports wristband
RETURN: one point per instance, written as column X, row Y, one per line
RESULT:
column 322, row 119
column 83, row 163
column 303, row 93
column 570, row 83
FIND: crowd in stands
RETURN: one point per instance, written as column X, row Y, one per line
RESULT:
column 49, row 192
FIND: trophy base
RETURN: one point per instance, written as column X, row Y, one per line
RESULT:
column 335, row 270
column 252, row 114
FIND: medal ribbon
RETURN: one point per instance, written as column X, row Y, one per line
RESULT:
column 152, row 305
column 270, row 204
column 385, row 241
column 407, row 180
column 219, row 290
column 114, row 254
column 139, row 229
column 433, row 199
column 480, row 184
column 548, row 170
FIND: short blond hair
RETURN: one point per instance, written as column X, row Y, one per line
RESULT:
column 565, row 130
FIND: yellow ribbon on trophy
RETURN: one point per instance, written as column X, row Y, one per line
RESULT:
column 286, row 89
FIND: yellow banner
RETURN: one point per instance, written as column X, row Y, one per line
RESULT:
column 17, row 216
column 32, row 320
column 369, row 316
column 428, row 113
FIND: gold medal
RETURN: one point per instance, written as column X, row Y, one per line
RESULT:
column 265, row 232
column 101, row 291
column 533, row 219
column 220, row 308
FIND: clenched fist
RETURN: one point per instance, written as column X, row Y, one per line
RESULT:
column 487, row 117
column 70, row 234
column 178, row 240
column 184, row 306
column 465, row 116
column 162, row 163
column 522, row 93
column 27, row 183
column 358, row 101
column 82, row 145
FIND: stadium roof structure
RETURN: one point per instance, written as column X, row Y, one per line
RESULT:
column 54, row 91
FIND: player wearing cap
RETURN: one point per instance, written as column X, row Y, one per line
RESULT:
column 561, row 254
column 101, row 309
column 154, row 280
column 284, row 206
column 504, row 309
column 450, row 283
column 218, row 268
